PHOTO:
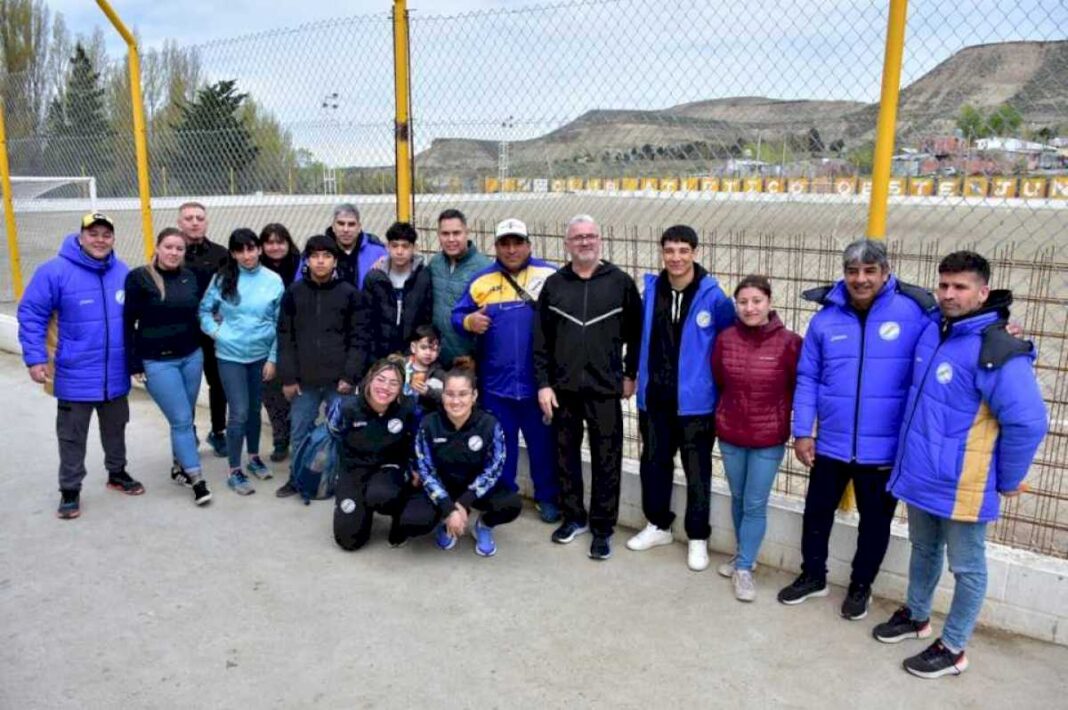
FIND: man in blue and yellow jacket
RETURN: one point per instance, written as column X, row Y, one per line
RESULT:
column 973, row 423
column 499, row 307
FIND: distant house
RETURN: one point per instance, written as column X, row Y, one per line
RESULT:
column 1010, row 145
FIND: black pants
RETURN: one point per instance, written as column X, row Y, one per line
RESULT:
column 72, row 431
column 827, row 482
column 216, row 394
column 361, row 493
column 277, row 407
column 603, row 418
column 498, row 507
column 663, row 433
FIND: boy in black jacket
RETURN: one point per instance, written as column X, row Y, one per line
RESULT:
column 398, row 294
column 588, row 312
column 322, row 345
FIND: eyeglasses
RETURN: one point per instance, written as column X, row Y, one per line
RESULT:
column 387, row 382
column 578, row 238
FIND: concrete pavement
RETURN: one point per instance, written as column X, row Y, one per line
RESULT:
column 149, row 602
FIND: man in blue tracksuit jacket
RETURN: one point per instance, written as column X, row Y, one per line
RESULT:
column 683, row 309
column 498, row 308
column 852, row 382
column 84, row 289
column 973, row 423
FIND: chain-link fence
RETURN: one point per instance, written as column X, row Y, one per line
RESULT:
column 755, row 127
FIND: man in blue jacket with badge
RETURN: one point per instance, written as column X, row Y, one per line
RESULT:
column 973, row 423
column 852, row 382
column 683, row 308
column 84, row 289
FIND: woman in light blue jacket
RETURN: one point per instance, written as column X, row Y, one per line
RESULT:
column 240, row 313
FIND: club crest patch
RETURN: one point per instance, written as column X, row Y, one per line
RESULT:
column 475, row 443
column 394, row 426
column 704, row 318
column 890, row 330
column 944, row 373
column 120, row 296
column 347, row 506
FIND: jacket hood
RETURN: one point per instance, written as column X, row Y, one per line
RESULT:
column 997, row 304
column 72, row 251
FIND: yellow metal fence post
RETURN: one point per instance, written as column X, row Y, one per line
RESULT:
column 140, row 134
column 884, row 145
column 9, row 213
column 402, row 127
column 884, row 133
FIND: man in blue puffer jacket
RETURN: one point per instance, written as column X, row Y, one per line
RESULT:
column 852, row 383
column 973, row 423
column 683, row 309
column 83, row 288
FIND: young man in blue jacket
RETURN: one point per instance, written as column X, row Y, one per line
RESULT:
column 499, row 308
column 973, row 423
column 683, row 309
column 852, row 383
column 84, row 288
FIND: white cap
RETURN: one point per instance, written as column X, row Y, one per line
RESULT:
column 512, row 228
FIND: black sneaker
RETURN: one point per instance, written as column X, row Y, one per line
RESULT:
column 286, row 490
column 935, row 661
column 568, row 532
column 180, row 477
column 902, row 626
column 217, row 440
column 802, row 588
column 69, row 508
column 122, row 482
column 855, row 605
column 601, row 547
column 280, row 452
column 201, row 494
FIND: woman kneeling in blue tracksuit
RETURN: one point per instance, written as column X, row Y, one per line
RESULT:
column 459, row 454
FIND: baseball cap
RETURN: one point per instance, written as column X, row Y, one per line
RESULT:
column 97, row 218
column 512, row 228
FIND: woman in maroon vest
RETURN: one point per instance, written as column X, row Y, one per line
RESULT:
column 755, row 366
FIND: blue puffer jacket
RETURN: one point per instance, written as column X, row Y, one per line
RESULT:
column 506, row 350
column 249, row 328
column 710, row 313
column 974, row 419
column 853, row 376
column 87, row 297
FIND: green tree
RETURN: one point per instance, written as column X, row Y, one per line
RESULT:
column 1005, row 120
column 971, row 123
column 212, row 147
column 77, row 126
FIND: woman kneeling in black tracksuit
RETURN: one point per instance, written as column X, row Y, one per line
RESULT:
column 459, row 453
column 377, row 427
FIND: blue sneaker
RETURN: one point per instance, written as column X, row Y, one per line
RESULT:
column 239, row 483
column 568, row 532
column 256, row 467
column 444, row 540
column 484, row 544
column 548, row 512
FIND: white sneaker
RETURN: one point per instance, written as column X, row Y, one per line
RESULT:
column 697, row 558
column 744, row 589
column 650, row 537
column 727, row 568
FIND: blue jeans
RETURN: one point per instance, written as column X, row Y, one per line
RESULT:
column 174, row 385
column 750, row 473
column 304, row 410
column 524, row 415
column 243, row 384
column 965, row 544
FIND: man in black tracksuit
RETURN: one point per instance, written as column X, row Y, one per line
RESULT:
column 399, row 295
column 588, row 312
column 204, row 257
column 322, row 341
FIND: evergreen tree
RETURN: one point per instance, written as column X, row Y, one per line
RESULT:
column 212, row 142
column 77, row 123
